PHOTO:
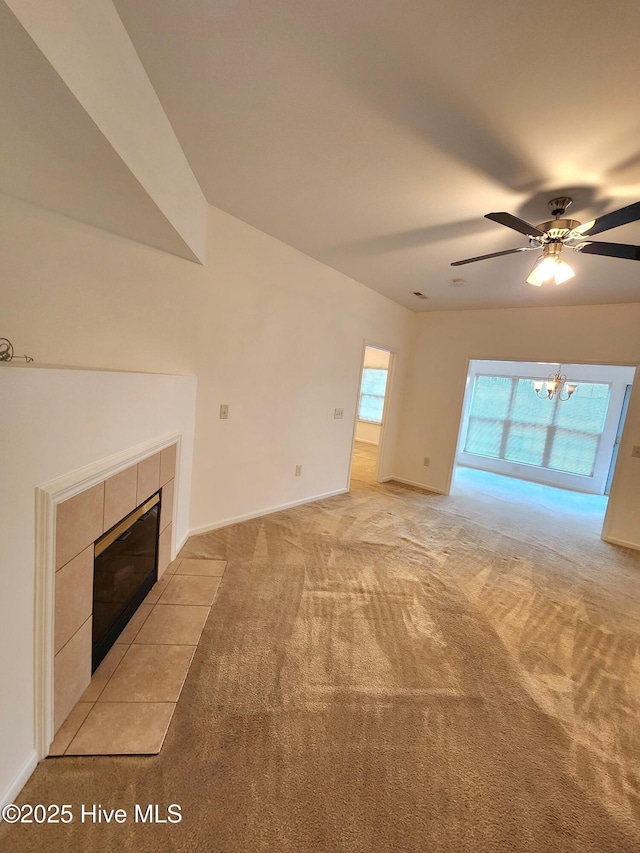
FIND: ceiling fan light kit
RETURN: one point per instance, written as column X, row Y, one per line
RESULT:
column 556, row 234
column 550, row 267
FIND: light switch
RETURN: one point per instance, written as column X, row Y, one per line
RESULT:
column 224, row 411
column 338, row 413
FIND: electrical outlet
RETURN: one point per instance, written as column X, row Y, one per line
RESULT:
column 636, row 451
column 426, row 461
column 338, row 413
column 224, row 411
column 298, row 470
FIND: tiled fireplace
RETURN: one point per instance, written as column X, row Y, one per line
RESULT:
column 79, row 522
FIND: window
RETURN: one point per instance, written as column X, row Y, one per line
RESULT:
column 372, row 391
column 508, row 421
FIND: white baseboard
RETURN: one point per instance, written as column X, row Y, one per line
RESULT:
column 417, row 485
column 20, row 780
column 612, row 540
column 225, row 522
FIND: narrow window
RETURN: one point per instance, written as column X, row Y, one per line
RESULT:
column 372, row 391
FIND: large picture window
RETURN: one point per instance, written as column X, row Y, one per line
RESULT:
column 508, row 421
column 372, row 391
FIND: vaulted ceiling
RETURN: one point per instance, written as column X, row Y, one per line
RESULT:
column 374, row 136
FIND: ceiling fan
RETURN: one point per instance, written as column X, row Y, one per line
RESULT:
column 559, row 233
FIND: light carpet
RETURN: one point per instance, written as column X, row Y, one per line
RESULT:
column 391, row 670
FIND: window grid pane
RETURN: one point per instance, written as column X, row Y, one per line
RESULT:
column 372, row 391
column 526, row 443
column 484, row 437
column 371, row 408
column 508, row 421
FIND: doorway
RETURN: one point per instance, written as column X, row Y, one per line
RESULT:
column 528, row 447
column 370, row 414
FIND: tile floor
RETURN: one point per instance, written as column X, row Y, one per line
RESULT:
column 127, row 708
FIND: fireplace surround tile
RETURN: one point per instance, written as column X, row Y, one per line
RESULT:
column 167, row 464
column 166, row 507
column 81, row 520
column 71, row 673
column 73, row 597
column 148, row 477
column 164, row 550
column 78, row 523
column 120, row 496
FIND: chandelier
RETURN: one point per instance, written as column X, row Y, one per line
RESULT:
column 554, row 386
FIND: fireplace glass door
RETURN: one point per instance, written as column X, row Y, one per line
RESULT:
column 124, row 570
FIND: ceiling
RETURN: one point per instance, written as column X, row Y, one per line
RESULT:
column 52, row 153
column 374, row 136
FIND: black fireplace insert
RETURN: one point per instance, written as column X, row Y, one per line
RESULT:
column 124, row 570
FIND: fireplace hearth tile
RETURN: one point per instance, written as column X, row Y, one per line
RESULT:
column 185, row 589
column 177, row 624
column 70, row 728
column 149, row 673
column 156, row 590
column 205, row 568
column 123, row 728
column 104, row 672
column 172, row 567
column 135, row 624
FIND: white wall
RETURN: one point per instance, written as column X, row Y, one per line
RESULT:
column 368, row 432
column 444, row 344
column 283, row 349
column 53, row 423
column 267, row 330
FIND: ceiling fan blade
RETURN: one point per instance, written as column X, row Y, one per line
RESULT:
column 623, row 216
column 494, row 255
column 611, row 250
column 517, row 224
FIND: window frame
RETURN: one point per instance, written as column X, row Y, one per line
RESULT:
column 618, row 375
column 551, row 429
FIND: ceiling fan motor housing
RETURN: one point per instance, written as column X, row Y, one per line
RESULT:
column 557, row 229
